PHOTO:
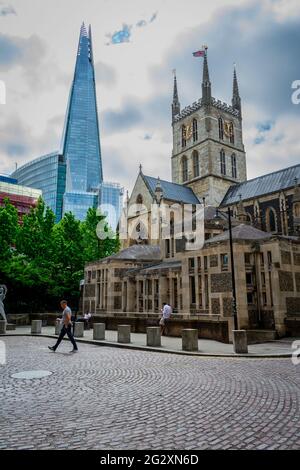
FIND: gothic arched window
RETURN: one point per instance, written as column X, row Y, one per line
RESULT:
column 271, row 222
column 184, row 168
column 195, row 163
column 233, row 166
column 221, row 129
column 222, row 162
column 183, row 136
column 139, row 199
column 231, row 133
column 195, row 130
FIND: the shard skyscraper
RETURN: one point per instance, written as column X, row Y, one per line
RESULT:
column 71, row 179
column 81, row 138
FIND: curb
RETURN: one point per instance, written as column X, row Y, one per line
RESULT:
column 159, row 350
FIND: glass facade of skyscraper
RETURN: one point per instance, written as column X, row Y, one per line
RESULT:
column 72, row 180
column 47, row 173
column 111, row 202
column 81, row 142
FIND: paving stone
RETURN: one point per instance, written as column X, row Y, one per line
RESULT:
column 114, row 399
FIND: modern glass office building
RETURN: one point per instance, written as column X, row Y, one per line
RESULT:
column 47, row 173
column 111, row 202
column 81, row 138
column 72, row 179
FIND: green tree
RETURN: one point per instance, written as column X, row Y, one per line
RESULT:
column 8, row 230
column 94, row 247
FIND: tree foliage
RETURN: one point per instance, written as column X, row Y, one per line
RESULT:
column 41, row 261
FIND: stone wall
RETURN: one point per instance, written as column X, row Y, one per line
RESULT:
column 220, row 282
column 286, row 281
column 217, row 330
column 293, row 306
column 215, row 307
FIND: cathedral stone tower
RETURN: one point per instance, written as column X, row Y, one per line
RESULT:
column 208, row 150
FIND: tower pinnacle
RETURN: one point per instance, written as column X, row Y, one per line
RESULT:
column 236, row 99
column 175, row 104
column 206, row 84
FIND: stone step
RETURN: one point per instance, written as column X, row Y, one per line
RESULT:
column 260, row 336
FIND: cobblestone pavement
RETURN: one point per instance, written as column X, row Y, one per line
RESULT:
column 107, row 398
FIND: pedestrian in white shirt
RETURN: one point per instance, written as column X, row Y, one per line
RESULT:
column 166, row 314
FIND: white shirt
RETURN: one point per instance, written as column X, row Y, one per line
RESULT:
column 166, row 312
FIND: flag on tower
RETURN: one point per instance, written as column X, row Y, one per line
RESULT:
column 200, row 53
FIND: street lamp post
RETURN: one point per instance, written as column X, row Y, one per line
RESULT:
column 234, row 308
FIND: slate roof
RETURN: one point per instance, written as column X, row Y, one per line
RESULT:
column 172, row 191
column 161, row 266
column 241, row 232
column 271, row 183
column 138, row 252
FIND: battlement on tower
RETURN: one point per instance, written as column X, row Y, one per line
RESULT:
column 200, row 103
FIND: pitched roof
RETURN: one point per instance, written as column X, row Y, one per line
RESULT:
column 241, row 232
column 172, row 191
column 270, row 183
column 138, row 252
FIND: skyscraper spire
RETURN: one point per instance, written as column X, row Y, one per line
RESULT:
column 206, row 84
column 81, row 138
column 236, row 99
column 175, row 104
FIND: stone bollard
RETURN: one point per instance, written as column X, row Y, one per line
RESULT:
column 36, row 327
column 79, row 329
column 124, row 333
column 2, row 327
column 190, row 340
column 240, row 345
column 58, row 327
column 153, row 336
column 99, row 331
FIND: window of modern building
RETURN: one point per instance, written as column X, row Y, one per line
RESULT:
column 221, row 129
column 195, row 163
column 233, row 166
column 184, row 168
column 222, row 162
column 195, row 130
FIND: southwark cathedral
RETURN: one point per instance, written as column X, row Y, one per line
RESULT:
column 205, row 290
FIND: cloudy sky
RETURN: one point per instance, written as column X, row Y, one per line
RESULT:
column 137, row 43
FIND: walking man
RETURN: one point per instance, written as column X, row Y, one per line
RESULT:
column 166, row 313
column 66, row 329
